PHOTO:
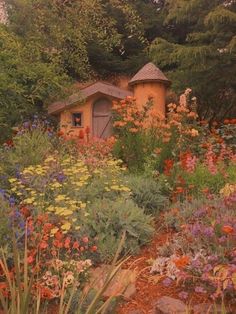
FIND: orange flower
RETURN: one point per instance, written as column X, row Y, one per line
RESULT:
column 182, row 261
column 227, row 229
column 133, row 130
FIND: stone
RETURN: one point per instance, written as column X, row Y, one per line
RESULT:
column 207, row 308
column 123, row 283
column 168, row 305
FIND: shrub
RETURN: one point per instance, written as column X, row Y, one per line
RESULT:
column 108, row 219
column 147, row 193
column 132, row 145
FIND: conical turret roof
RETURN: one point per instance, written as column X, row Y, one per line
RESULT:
column 149, row 73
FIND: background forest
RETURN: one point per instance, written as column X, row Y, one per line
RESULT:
column 45, row 45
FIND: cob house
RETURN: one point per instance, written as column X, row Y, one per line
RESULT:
column 91, row 108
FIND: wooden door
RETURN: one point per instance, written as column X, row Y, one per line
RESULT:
column 102, row 118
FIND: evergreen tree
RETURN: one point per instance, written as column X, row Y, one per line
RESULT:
column 200, row 52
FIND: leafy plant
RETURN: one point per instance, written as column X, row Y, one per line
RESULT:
column 147, row 193
column 108, row 219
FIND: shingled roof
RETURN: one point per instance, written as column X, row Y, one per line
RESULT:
column 98, row 87
column 149, row 73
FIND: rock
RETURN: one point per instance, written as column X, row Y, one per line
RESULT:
column 207, row 308
column 129, row 291
column 122, row 284
column 168, row 305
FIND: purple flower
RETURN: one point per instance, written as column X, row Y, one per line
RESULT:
column 12, row 200
column 207, row 268
column 195, row 229
column 212, row 258
column 196, row 263
column 167, row 282
column 26, row 124
column 183, row 295
column 199, row 289
column 222, row 239
column 208, row 231
column 61, row 177
column 200, row 212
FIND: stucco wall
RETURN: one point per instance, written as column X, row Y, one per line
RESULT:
column 86, row 109
column 143, row 91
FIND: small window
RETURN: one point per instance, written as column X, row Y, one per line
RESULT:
column 77, row 119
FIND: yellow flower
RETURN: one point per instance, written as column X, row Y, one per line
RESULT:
column 60, row 198
column 115, row 187
column 66, row 212
column 54, row 230
column 29, row 200
column 56, row 185
column 66, row 226
column 12, row 180
column 50, row 208
column 83, row 205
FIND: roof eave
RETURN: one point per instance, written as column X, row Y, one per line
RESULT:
column 58, row 107
column 165, row 82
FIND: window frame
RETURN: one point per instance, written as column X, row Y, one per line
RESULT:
column 73, row 119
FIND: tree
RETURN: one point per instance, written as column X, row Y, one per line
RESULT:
column 71, row 31
column 199, row 51
column 27, row 80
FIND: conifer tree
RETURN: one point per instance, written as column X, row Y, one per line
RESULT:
column 200, row 52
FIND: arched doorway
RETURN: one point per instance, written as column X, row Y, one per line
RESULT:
column 102, row 118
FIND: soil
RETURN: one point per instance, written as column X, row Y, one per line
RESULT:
column 149, row 287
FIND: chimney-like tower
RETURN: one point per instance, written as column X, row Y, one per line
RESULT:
column 150, row 82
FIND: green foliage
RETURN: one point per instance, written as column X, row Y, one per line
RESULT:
column 4, row 220
column 200, row 46
column 108, row 219
column 27, row 80
column 29, row 148
column 202, row 178
column 147, row 193
column 130, row 148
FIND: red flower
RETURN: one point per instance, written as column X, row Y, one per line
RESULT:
column 58, row 235
column 9, row 143
column 81, row 134
column 94, row 248
column 85, row 239
column 30, row 259
column 43, row 245
column 46, row 293
column 58, row 244
column 60, row 133
column 67, row 243
column 75, row 245
column 47, row 227
column 168, row 165
column 25, row 211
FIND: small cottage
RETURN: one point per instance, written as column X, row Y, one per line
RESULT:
column 91, row 109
